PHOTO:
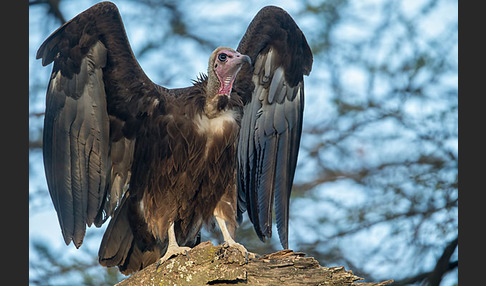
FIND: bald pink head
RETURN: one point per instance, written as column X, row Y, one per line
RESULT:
column 227, row 64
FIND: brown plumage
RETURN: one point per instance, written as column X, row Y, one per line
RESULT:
column 163, row 162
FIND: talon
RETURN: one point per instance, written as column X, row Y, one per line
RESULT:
column 158, row 265
column 173, row 251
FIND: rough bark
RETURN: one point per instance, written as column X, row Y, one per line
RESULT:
column 207, row 264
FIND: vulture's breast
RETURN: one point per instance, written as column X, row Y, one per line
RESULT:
column 221, row 131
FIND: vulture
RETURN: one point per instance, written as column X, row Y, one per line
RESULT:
column 162, row 163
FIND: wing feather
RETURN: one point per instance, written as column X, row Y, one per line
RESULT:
column 76, row 145
column 96, row 93
column 271, row 125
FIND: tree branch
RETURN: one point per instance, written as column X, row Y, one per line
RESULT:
column 434, row 277
column 53, row 8
column 222, row 265
column 443, row 266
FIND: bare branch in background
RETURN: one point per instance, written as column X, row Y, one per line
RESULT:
column 443, row 266
column 53, row 8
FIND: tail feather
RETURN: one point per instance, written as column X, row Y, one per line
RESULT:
column 126, row 243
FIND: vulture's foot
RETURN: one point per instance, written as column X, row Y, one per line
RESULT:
column 241, row 248
column 173, row 251
column 230, row 242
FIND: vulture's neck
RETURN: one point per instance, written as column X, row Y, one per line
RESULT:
column 215, row 101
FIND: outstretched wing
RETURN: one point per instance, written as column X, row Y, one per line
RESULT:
column 273, row 94
column 96, row 92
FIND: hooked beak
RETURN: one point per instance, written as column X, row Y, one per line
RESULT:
column 244, row 58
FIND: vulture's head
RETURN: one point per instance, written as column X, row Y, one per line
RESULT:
column 224, row 65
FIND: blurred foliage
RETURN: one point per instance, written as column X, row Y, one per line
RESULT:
column 376, row 188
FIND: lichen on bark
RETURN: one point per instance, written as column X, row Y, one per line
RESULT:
column 207, row 264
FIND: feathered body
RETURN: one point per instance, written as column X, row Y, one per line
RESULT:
column 192, row 166
column 163, row 162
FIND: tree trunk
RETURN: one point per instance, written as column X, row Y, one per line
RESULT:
column 222, row 265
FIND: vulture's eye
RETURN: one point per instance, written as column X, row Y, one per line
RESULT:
column 222, row 57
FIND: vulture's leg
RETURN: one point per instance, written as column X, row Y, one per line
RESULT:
column 173, row 248
column 225, row 214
